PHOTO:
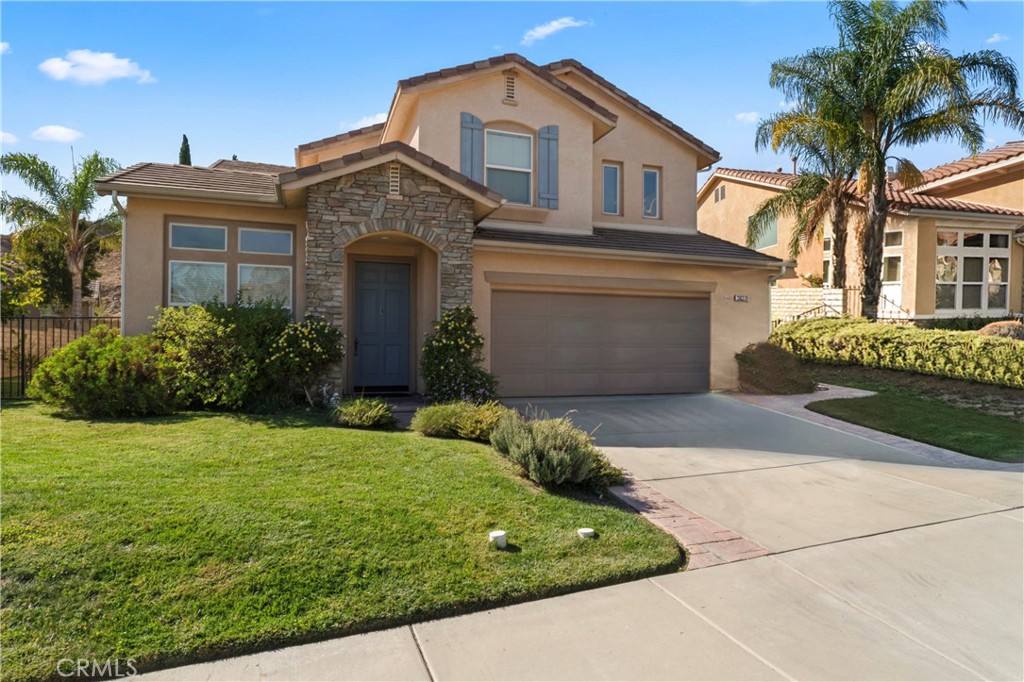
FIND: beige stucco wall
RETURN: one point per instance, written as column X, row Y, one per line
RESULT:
column 733, row 324
column 998, row 190
column 145, row 248
column 335, row 150
column 435, row 126
column 637, row 143
column 727, row 219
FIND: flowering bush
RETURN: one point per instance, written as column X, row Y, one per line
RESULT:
column 245, row 356
column 451, row 360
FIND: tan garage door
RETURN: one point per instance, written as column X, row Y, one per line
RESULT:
column 548, row 344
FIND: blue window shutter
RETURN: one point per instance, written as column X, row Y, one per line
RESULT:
column 547, row 167
column 471, row 152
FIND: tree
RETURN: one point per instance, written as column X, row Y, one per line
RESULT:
column 185, row 153
column 20, row 289
column 43, row 251
column 62, row 209
column 820, row 191
column 892, row 85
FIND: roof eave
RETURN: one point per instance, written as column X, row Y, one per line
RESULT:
column 148, row 191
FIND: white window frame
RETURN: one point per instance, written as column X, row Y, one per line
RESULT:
column 899, row 278
column 291, row 279
column 291, row 241
column 170, row 237
column 618, row 188
column 775, row 243
column 826, row 273
column 657, row 190
column 892, row 246
column 529, row 173
column 170, row 281
column 986, row 253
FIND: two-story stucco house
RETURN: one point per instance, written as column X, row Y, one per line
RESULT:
column 558, row 206
column 953, row 246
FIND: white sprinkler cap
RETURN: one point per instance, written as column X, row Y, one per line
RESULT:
column 586, row 532
column 498, row 538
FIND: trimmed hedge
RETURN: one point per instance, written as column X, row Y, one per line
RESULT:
column 957, row 355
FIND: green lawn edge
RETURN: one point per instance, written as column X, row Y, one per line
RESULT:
column 931, row 421
column 80, row 504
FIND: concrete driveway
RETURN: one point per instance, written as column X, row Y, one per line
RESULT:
column 886, row 566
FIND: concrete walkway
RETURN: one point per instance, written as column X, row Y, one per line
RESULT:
column 885, row 564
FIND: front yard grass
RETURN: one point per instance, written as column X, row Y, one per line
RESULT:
column 182, row 538
column 975, row 419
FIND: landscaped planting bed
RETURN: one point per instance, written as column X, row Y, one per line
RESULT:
column 178, row 538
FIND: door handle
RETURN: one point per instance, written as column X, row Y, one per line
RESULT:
column 357, row 347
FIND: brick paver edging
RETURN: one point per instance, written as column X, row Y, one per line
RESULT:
column 706, row 543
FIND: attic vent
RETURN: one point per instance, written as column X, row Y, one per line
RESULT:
column 395, row 178
column 510, row 86
column 719, row 194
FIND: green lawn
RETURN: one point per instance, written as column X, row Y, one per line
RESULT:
column 176, row 539
column 931, row 421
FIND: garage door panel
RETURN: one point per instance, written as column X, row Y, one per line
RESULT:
column 582, row 344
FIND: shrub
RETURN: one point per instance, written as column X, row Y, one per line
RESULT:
column 957, row 355
column 964, row 323
column 766, row 369
column 365, row 413
column 1009, row 329
column 248, row 356
column 552, row 451
column 452, row 356
column 458, row 420
column 104, row 374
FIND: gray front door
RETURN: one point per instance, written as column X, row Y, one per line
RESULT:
column 382, row 326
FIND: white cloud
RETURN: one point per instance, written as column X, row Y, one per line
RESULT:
column 544, row 30
column 94, row 68
column 8, row 138
column 996, row 38
column 748, row 117
column 5, row 47
column 56, row 134
column 370, row 120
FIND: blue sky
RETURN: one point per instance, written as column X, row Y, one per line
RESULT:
column 256, row 79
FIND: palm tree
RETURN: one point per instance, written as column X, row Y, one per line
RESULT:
column 818, row 192
column 889, row 75
column 62, row 208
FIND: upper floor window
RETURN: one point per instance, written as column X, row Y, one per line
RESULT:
column 652, row 193
column 769, row 236
column 509, row 165
column 611, row 190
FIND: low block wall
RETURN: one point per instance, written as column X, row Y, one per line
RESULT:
column 787, row 303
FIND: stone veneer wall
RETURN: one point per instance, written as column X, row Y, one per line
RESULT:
column 342, row 210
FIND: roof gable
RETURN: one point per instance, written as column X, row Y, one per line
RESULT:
column 974, row 166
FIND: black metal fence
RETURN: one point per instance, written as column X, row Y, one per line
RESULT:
column 27, row 341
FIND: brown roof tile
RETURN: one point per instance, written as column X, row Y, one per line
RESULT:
column 328, row 141
column 898, row 200
column 980, row 160
column 387, row 148
column 611, row 87
column 684, row 244
column 250, row 166
column 164, row 177
column 510, row 59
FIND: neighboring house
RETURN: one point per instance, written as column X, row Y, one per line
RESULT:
column 964, row 220
column 570, row 226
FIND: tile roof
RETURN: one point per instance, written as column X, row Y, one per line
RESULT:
column 699, row 245
column 388, row 148
column 334, row 139
column 573, row 64
column 979, row 160
column 250, row 166
column 510, row 59
column 169, row 178
column 898, row 200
